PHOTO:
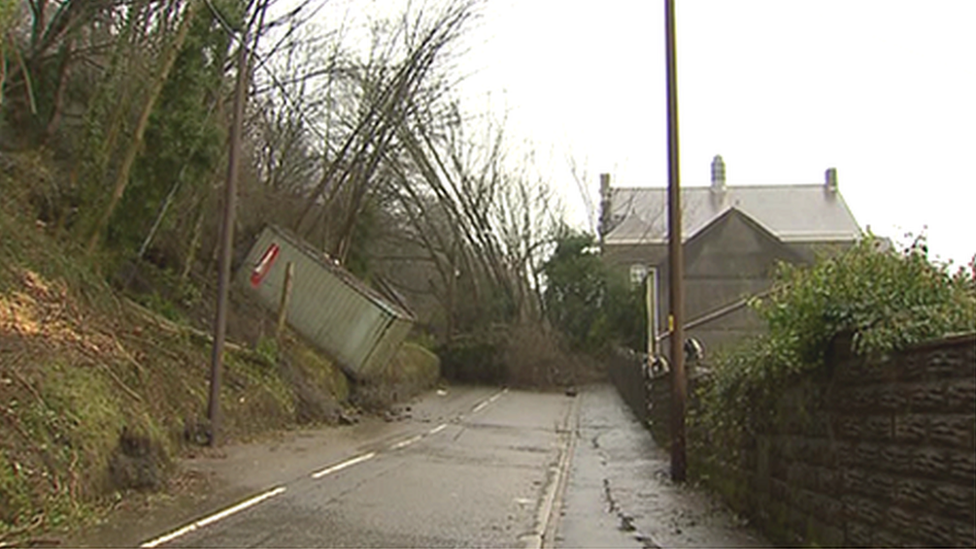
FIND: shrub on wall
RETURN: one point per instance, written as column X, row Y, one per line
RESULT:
column 881, row 300
column 885, row 300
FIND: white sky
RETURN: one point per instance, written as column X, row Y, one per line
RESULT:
column 883, row 90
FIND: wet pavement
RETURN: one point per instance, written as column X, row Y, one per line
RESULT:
column 220, row 478
column 619, row 492
column 473, row 467
column 472, row 482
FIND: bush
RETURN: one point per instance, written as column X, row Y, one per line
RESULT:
column 474, row 358
column 885, row 300
column 881, row 301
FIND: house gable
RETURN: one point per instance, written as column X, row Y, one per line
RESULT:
column 735, row 243
column 730, row 259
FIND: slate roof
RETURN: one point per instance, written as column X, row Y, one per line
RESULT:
column 794, row 213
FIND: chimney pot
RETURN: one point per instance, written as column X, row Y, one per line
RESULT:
column 603, row 226
column 718, row 174
column 830, row 180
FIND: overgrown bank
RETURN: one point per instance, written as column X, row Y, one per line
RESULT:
column 98, row 395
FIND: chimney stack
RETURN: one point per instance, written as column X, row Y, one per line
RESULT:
column 718, row 174
column 604, row 224
column 830, row 180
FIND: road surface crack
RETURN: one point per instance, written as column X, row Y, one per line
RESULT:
column 626, row 521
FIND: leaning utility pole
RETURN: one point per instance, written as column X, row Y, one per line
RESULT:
column 679, row 385
column 227, row 240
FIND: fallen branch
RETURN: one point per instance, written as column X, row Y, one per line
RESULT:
column 155, row 345
column 14, row 422
column 178, row 329
column 153, row 317
column 34, row 524
column 125, row 353
column 28, row 386
column 118, row 381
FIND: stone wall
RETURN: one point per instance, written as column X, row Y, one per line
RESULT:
column 878, row 453
column 626, row 371
column 648, row 394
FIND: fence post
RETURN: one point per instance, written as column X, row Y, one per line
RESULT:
column 285, row 296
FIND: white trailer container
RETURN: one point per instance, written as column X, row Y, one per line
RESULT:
column 352, row 323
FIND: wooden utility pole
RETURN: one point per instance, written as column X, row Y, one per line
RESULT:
column 679, row 384
column 227, row 240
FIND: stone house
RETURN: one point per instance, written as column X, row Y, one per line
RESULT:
column 733, row 238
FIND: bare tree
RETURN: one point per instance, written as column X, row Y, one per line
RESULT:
column 389, row 82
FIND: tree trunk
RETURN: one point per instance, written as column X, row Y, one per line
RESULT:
column 57, row 109
column 191, row 252
column 122, row 179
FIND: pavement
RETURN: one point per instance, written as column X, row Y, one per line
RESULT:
column 472, row 466
column 620, row 493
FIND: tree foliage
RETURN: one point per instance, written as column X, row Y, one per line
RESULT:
column 184, row 137
column 886, row 300
column 588, row 301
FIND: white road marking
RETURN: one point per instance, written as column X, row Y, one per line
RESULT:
column 276, row 491
column 213, row 518
column 343, row 465
column 405, row 443
column 481, row 405
column 488, row 401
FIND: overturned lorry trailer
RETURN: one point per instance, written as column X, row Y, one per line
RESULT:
column 352, row 323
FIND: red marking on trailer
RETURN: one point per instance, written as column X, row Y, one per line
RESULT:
column 264, row 265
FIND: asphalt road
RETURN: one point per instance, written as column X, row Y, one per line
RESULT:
column 470, row 467
column 480, row 478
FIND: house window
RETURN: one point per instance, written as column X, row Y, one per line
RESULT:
column 637, row 275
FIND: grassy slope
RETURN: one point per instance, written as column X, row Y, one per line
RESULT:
column 79, row 367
